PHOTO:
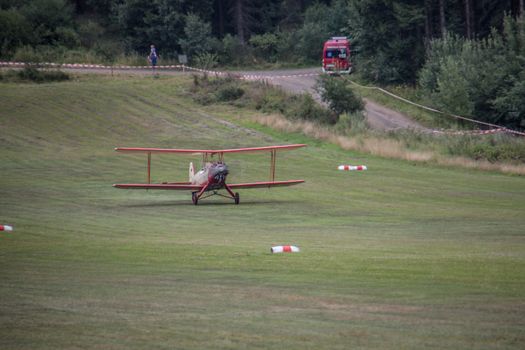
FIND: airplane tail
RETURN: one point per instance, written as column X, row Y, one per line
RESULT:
column 192, row 172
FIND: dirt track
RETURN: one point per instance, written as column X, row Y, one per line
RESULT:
column 303, row 80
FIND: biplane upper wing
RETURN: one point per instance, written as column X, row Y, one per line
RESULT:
column 208, row 151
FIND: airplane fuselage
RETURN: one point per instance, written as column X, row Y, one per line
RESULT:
column 214, row 174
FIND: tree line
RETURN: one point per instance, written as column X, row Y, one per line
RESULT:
column 267, row 29
column 429, row 43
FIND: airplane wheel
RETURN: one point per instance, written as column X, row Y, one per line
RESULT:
column 194, row 198
column 236, row 198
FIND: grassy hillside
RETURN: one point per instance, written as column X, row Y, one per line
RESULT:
column 404, row 255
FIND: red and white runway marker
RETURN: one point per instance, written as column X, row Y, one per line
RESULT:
column 285, row 249
column 6, row 228
column 352, row 167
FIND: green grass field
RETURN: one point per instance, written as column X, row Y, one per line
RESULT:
column 402, row 256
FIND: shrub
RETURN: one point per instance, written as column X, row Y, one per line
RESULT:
column 233, row 52
column 338, row 95
column 305, row 107
column 27, row 54
column 265, row 46
column 229, row 93
column 494, row 148
column 32, row 74
column 207, row 91
column 273, row 100
column 206, row 60
column 351, row 123
column 16, row 30
column 42, row 76
column 453, row 89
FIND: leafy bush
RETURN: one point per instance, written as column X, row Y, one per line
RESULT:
column 494, row 148
column 286, row 47
column 16, row 30
column 265, row 46
column 229, row 92
column 306, row 108
column 453, row 89
column 482, row 79
column 338, row 95
column 35, row 75
column 27, row 54
column 207, row 91
column 206, row 60
column 273, row 100
column 233, row 53
column 42, row 76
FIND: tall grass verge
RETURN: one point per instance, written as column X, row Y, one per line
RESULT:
column 433, row 150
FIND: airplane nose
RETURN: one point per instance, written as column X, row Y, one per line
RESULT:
column 220, row 169
column 218, row 173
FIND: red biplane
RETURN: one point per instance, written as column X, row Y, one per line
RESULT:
column 212, row 176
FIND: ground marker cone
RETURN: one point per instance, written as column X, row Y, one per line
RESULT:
column 6, row 228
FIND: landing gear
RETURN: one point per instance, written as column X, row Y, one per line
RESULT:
column 236, row 198
column 194, row 198
column 197, row 195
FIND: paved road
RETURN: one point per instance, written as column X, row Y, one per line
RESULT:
column 303, row 80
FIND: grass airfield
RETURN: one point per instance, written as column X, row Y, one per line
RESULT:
column 402, row 256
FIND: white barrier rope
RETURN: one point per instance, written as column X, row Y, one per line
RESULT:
column 165, row 67
column 82, row 65
column 497, row 128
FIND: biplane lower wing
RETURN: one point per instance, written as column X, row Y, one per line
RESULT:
column 189, row 187
column 265, row 184
column 183, row 186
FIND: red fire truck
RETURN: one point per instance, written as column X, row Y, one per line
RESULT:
column 336, row 55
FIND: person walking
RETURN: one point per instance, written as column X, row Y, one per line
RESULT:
column 153, row 57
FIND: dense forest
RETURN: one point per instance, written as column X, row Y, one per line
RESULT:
column 468, row 57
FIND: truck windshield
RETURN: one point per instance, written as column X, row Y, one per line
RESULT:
column 335, row 53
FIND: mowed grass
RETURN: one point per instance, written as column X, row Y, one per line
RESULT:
column 402, row 256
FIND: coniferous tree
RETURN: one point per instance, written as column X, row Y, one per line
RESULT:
column 468, row 19
column 241, row 11
column 442, row 20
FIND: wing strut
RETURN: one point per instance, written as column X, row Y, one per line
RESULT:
column 206, row 155
column 149, row 167
column 272, row 165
